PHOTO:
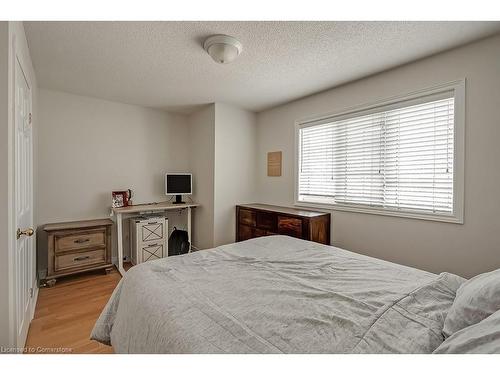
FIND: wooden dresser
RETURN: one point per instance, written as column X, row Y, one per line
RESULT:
column 257, row 220
column 78, row 246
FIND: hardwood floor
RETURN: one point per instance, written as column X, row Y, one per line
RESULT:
column 65, row 314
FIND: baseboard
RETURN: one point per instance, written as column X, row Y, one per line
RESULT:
column 32, row 310
column 42, row 275
column 35, row 300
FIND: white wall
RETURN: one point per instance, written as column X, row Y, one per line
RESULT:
column 222, row 159
column 235, row 167
column 201, row 147
column 465, row 249
column 12, row 42
column 89, row 147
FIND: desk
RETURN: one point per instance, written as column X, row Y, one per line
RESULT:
column 144, row 208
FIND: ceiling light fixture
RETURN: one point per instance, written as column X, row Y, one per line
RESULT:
column 223, row 48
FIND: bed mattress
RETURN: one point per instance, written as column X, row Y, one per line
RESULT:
column 276, row 294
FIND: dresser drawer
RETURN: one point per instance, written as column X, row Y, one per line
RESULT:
column 266, row 220
column 259, row 232
column 247, row 217
column 245, row 232
column 290, row 226
column 78, row 241
column 80, row 259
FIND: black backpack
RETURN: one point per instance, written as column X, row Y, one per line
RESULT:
column 178, row 242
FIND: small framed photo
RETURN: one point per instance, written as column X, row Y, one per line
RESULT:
column 120, row 199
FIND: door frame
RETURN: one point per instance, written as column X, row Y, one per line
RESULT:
column 17, row 58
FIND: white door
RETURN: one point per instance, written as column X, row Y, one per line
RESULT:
column 24, row 258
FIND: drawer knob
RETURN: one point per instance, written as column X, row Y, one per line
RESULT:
column 82, row 240
column 81, row 258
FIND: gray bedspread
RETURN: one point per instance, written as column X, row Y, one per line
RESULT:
column 276, row 295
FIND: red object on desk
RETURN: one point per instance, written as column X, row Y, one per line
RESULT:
column 120, row 198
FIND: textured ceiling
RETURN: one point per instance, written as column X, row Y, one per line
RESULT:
column 163, row 64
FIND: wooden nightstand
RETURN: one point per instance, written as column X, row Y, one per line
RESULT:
column 78, row 246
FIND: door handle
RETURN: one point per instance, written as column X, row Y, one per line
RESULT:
column 27, row 232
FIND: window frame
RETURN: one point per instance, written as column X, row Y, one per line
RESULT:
column 457, row 216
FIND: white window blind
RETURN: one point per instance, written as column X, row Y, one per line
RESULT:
column 398, row 157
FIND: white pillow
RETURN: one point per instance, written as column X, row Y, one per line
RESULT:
column 483, row 337
column 476, row 299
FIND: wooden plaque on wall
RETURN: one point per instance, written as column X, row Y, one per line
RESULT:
column 274, row 163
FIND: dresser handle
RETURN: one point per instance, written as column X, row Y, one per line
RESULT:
column 153, row 244
column 82, row 240
column 81, row 258
column 154, row 222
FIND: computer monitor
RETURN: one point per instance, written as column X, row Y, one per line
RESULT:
column 178, row 184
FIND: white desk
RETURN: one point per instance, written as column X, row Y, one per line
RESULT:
column 143, row 208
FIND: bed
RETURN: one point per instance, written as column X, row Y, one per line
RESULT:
column 276, row 294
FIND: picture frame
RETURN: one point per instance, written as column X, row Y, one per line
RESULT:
column 274, row 160
column 120, row 198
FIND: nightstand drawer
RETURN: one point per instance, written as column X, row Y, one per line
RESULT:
column 80, row 259
column 78, row 241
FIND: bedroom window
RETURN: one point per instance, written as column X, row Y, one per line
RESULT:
column 402, row 157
